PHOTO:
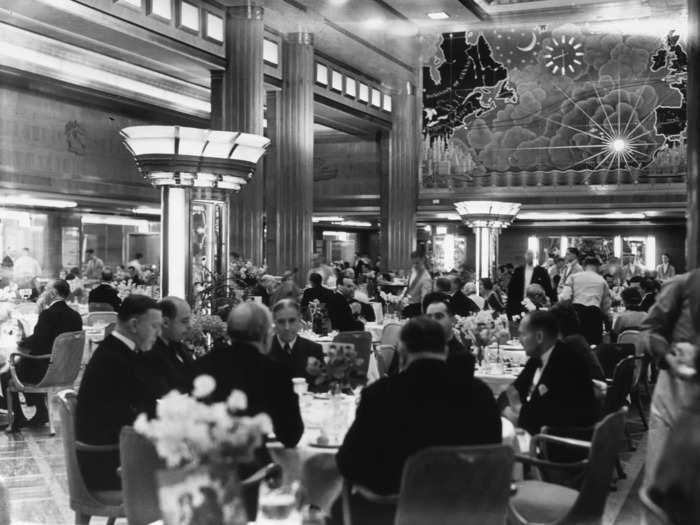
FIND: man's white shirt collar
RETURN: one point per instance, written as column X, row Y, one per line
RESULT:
column 128, row 342
column 291, row 343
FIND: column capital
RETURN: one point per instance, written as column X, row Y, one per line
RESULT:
column 301, row 38
column 242, row 10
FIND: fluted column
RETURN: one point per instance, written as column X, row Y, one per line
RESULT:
column 216, row 97
column 399, row 152
column 693, row 214
column 293, row 187
column 243, row 99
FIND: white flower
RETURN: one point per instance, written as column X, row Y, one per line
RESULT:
column 237, row 401
column 204, row 385
column 141, row 424
column 263, row 422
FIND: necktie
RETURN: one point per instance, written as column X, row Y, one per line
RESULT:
column 287, row 349
column 537, row 361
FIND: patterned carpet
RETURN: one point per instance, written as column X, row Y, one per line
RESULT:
column 32, row 469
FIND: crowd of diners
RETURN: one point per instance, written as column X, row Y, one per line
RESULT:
column 429, row 395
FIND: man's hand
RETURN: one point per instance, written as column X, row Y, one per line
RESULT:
column 355, row 308
column 681, row 360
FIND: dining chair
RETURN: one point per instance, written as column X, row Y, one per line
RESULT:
column 84, row 502
column 552, row 504
column 363, row 345
column 100, row 307
column 139, row 464
column 64, row 366
column 105, row 318
column 468, row 486
column 390, row 334
column 653, row 513
column 384, row 354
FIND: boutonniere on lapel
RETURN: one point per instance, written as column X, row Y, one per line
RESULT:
column 542, row 389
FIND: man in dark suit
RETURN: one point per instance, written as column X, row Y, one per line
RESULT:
column 459, row 358
column 105, row 292
column 117, row 386
column 555, row 388
column 460, row 303
column 343, row 310
column 316, row 292
column 424, row 405
column 288, row 349
column 524, row 276
column 170, row 360
column 246, row 366
column 57, row 319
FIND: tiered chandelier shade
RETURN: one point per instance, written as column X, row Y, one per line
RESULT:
column 487, row 214
column 191, row 157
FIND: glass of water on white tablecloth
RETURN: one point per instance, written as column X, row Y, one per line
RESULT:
column 278, row 504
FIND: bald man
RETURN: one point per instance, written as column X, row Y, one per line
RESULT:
column 170, row 360
column 245, row 365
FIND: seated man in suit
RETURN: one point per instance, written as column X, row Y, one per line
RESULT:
column 424, row 405
column 288, row 349
column 246, row 365
column 459, row 358
column 343, row 310
column 170, row 360
column 316, row 292
column 117, row 386
column 555, row 387
column 524, row 276
column 461, row 304
column 105, row 292
column 57, row 319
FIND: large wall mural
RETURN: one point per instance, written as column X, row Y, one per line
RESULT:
column 594, row 107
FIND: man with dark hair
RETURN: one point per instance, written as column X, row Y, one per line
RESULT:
column 665, row 270
column 524, row 276
column 137, row 263
column 105, row 293
column 590, row 295
column 555, row 388
column 424, row 405
column 419, row 285
column 57, row 319
column 315, row 292
column 117, row 386
column 94, row 265
column 649, row 288
column 343, row 310
column 633, row 317
column 571, row 267
column 459, row 357
column 170, row 360
column 288, row 349
column 460, row 303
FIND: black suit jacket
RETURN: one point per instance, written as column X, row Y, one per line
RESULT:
column 267, row 384
column 323, row 295
column 462, row 305
column 295, row 364
column 647, row 302
column 425, row 405
column 516, row 288
column 173, row 365
column 564, row 395
column 59, row 318
column 117, row 386
column 460, row 359
column 341, row 316
column 104, row 293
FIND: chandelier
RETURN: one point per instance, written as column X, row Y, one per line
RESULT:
column 175, row 156
column 487, row 214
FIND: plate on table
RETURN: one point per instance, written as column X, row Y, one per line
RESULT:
column 322, row 396
column 315, row 444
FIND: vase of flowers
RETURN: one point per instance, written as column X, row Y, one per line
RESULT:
column 341, row 370
column 205, row 331
column 483, row 330
column 394, row 304
column 319, row 315
column 202, row 446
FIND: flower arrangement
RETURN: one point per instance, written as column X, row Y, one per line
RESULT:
column 319, row 315
column 9, row 292
column 394, row 303
column 205, row 330
column 188, row 432
column 126, row 288
column 247, row 274
column 341, row 371
column 484, row 329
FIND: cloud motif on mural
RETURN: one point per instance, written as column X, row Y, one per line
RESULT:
column 562, row 122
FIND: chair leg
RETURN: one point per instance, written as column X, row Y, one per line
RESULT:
column 10, row 409
column 638, row 403
column 49, row 406
column 82, row 519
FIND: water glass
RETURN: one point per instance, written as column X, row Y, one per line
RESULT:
column 278, row 504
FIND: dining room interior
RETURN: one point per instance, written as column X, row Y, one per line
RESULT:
column 349, row 262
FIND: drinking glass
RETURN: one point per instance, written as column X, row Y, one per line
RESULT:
column 278, row 503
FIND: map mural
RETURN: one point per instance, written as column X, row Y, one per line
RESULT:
column 601, row 107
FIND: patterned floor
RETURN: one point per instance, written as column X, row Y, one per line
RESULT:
column 33, row 470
